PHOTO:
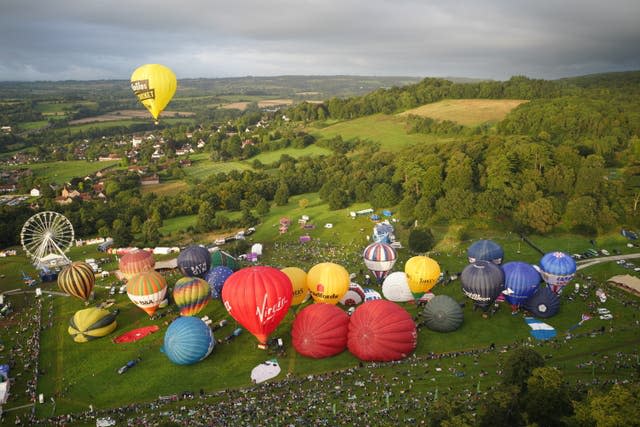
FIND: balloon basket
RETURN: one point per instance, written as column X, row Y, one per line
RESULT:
column 263, row 346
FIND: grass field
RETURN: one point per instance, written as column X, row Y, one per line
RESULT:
column 170, row 188
column 83, row 374
column 272, row 156
column 63, row 171
column 467, row 112
column 203, row 167
column 389, row 131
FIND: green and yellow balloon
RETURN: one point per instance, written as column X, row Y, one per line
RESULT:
column 91, row 323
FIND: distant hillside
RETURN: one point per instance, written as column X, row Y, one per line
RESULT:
column 467, row 112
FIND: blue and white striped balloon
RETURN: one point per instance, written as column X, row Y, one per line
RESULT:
column 379, row 259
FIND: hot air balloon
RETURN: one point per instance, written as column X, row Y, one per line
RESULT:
column 298, row 279
column 188, row 340
column 544, row 303
column 443, row 314
column 258, row 298
column 147, row 290
column 422, row 274
column 482, row 281
column 396, row 287
column 91, row 323
column 320, row 330
column 216, row 276
column 154, row 85
column 521, row 281
column 136, row 262
column 557, row 269
column 219, row 257
column 485, row 250
column 371, row 294
column 191, row 295
column 194, row 261
column 383, row 232
column 77, row 279
column 379, row 258
column 382, row 331
column 354, row 295
column 328, row 282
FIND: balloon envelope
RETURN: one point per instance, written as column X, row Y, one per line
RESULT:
column 354, row 295
column 188, row 340
column 443, row 314
column 320, row 330
column 222, row 258
column 379, row 258
column 147, row 290
column 544, row 303
column 154, row 85
column 396, row 287
column 194, row 261
column 521, row 281
column 191, row 295
column 557, row 268
column 485, row 250
column 77, row 279
column 381, row 330
column 298, row 279
column 328, row 282
column 258, row 298
column 91, row 323
column 482, row 281
column 422, row 274
column 136, row 262
column 216, row 276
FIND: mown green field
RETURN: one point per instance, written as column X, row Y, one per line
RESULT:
column 389, row 131
column 203, row 167
column 272, row 156
column 62, row 171
column 80, row 375
column 467, row 112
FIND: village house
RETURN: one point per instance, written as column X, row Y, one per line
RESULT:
column 136, row 141
column 35, row 192
column 111, row 156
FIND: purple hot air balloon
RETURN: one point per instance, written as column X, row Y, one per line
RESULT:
column 521, row 281
column 216, row 277
column 194, row 261
column 379, row 258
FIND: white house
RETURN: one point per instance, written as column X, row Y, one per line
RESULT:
column 35, row 192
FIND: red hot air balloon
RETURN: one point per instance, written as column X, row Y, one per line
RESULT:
column 258, row 298
column 136, row 262
column 320, row 330
column 381, row 330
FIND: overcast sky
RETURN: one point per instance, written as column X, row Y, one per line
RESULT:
column 108, row 39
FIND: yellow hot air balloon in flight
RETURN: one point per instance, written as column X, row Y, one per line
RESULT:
column 422, row 274
column 154, row 85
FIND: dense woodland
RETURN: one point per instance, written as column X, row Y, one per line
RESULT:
column 568, row 159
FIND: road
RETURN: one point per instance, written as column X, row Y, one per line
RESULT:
column 584, row 263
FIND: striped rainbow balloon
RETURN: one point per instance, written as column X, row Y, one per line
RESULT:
column 191, row 295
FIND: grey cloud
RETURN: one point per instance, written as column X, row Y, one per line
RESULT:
column 74, row 39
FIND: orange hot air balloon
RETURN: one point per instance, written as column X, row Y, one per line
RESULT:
column 328, row 282
column 136, row 262
column 147, row 290
column 422, row 274
column 298, row 279
column 258, row 298
column 77, row 279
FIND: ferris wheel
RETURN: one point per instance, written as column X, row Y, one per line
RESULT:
column 46, row 236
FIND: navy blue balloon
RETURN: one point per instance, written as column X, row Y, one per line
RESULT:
column 188, row 340
column 521, row 281
column 194, row 261
column 482, row 281
column 216, row 278
column 544, row 303
column 485, row 250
